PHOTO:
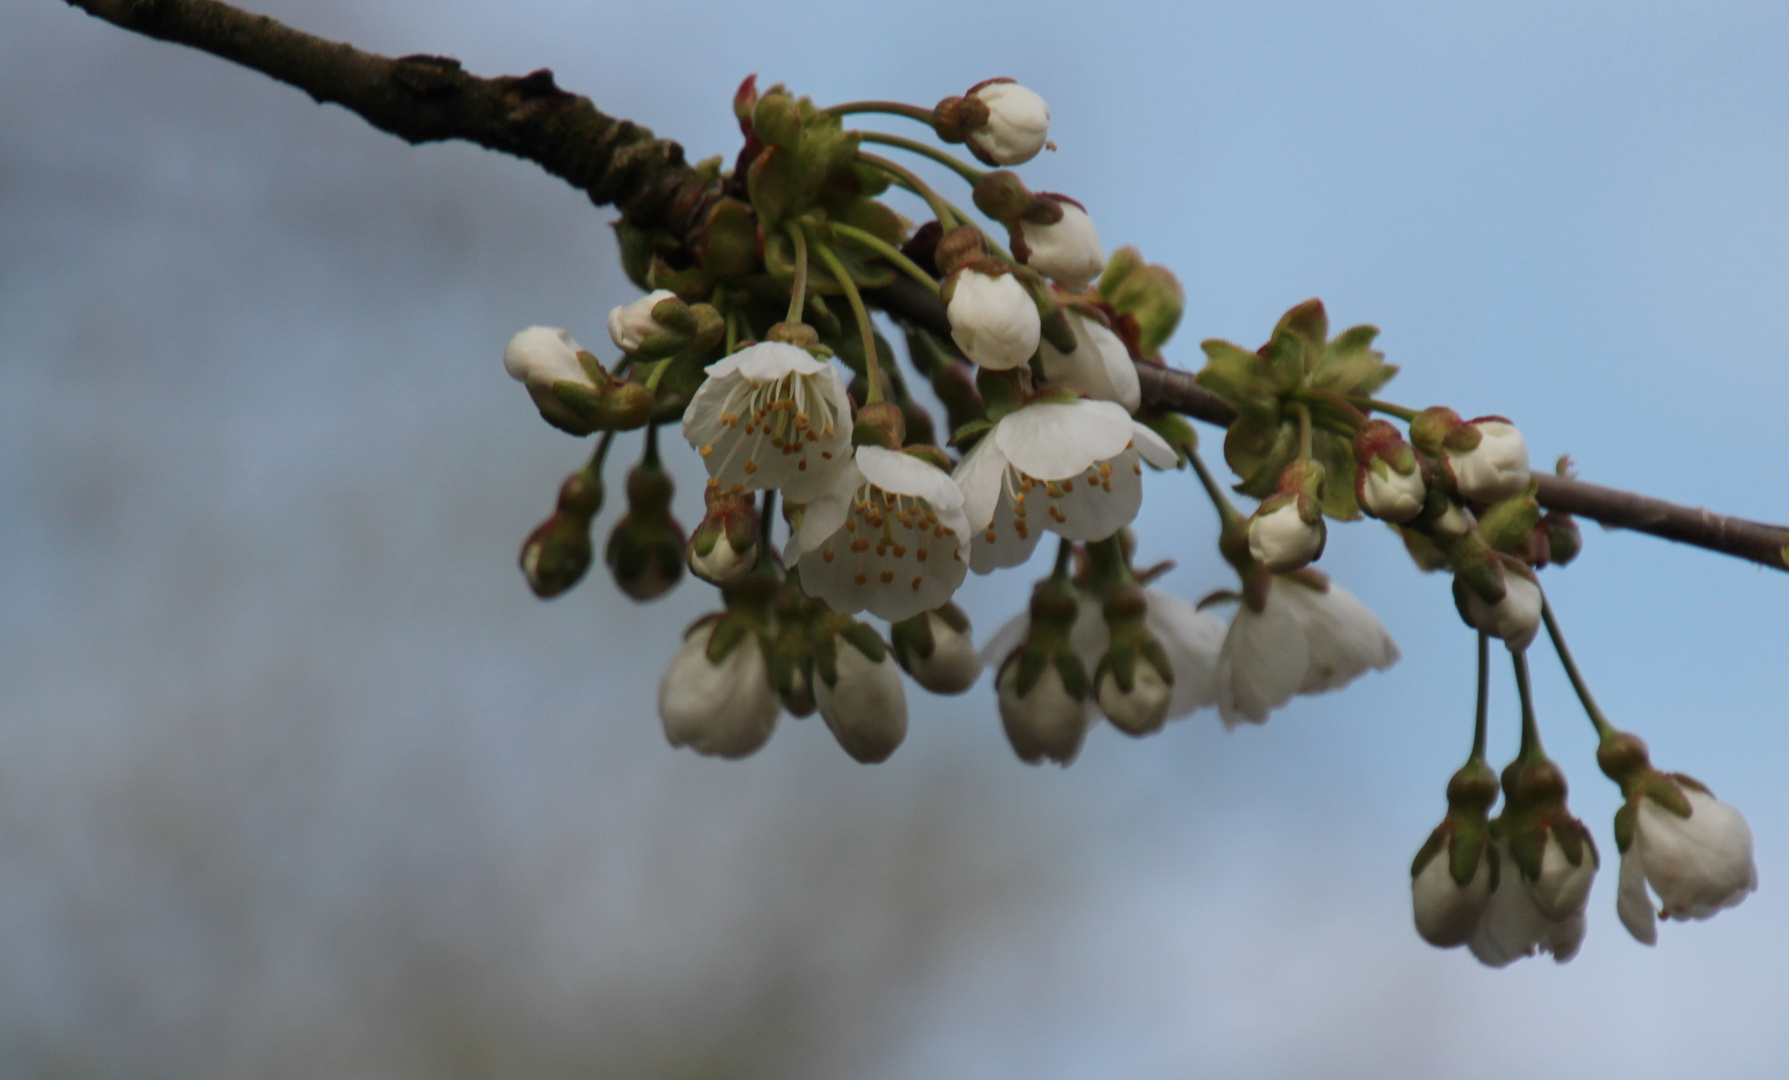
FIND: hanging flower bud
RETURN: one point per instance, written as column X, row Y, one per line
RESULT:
column 858, row 689
column 715, row 696
column 724, row 548
column 1515, row 618
column 1042, row 685
column 1134, row 682
column 633, row 325
column 1549, row 864
column 1453, row 876
column 1487, row 458
column 935, row 648
column 1388, row 482
column 993, row 319
column 1099, row 367
column 1692, row 848
column 1065, row 249
column 646, row 551
column 1003, row 123
column 1286, row 532
column 558, row 552
column 1564, row 541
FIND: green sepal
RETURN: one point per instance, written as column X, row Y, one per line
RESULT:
column 912, row 637
column 1463, row 853
column 1526, row 845
column 774, row 182
column 1031, row 668
column 728, row 635
column 865, row 641
column 1422, row 550
column 1431, row 848
column 826, row 659
column 1572, row 840
column 1336, row 455
column 1055, row 328
column 1072, row 672
column 1626, row 819
column 1663, row 790
column 967, row 435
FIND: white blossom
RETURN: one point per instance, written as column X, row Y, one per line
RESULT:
column 1390, row 495
column 993, row 319
column 1496, row 468
column 1697, row 865
column 953, row 665
column 1100, row 367
column 1068, row 467
column 1067, row 251
column 1515, row 619
column 1017, row 127
column 1281, row 540
column 865, row 707
column 631, row 324
column 889, row 537
column 1047, row 722
column 726, row 709
column 1448, row 913
column 1304, row 640
column 771, row 416
column 1546, row 915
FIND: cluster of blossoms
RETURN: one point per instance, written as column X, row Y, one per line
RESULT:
column 755, row 338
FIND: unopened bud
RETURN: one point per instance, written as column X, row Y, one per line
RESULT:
column 1564, row 541
column 935, row 648
column 724, row 547
column 959, row 247
column 1388, row 480
column 645, row 552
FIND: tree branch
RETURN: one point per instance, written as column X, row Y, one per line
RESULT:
column 429, row 99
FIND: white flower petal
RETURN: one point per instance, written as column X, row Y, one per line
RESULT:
column 1067, row 252
column 1152, row 447
column 1632, row 903
column 727, row 710
column 1059, row 440
column 1263, row 662
column 1699, row 864
column 1192, row 640
column 771, row 416
column 867, row 709
column 1345, row 638
column 1099, row 367
column 1048, row 723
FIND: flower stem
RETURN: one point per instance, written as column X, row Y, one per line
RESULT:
column 798, row 292
column 1597, row 719
column 887, row 251
column 1065, row 556
column 1531, row 736
column 1227, row 512
column 872, row 373
column 765, row 518
column 651, row 457
column 940, row 209
column 1484, row 698
column 1108, row 562
column 1386, row 407
column 892, row 108
column 732, row 332
column 950, row 161
column 1304, row 431
column 658, row 374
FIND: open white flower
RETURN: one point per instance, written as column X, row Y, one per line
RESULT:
column 725, row 708
column 993, row 319
column 631, row 324
column 1304, row 640
column 1496, row 468
column 1100, row 367
column 863, row 702
column 1697, row 865
column 1069, row 467
column 1067, row 251
column 1545, row 915
column 888, row 537
column 771, row 416
column 1017, row 127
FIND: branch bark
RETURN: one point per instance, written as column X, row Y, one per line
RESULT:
column 424, row 99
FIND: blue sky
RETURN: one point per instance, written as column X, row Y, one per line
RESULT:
column 290, row 749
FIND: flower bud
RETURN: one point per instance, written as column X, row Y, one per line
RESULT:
column 1516, row 618
column 546, row 358
column 558, row 552
column 858, row 689
column 935, row 648
column 633, row 325
column 645, row 552
column 993, row 318
column 1564, row 541
column 1388, row 482
column 1042, row 684
column 1133, row 681
column 1488, row 459
column 724, row 548
column 1066, row 250
column 715, row 696
column 1286, row 532
column 1696, row 855
column 1002, row 122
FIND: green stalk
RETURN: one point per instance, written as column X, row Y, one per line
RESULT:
column 904, row 177
column 1227, row 513
column 1484, row 699
column 1531, row 750
column 891, row 108
column 887, row 251
column 1597, row 719
column 1386, row 407
column 949, row 161
column 1065, row 555
column 798, row 292
column 872, row 372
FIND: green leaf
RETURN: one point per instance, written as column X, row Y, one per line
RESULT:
column 1240, row 378
column 1257, row 451
column 1350, row 365
column 1309, row 324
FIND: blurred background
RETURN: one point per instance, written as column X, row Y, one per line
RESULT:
column 297, row 779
